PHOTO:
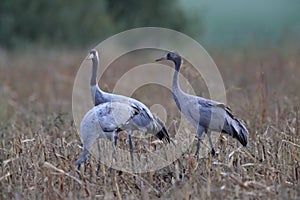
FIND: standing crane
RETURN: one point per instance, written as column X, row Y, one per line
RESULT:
column 204, row 114
column 144, row 121
column 103, row 121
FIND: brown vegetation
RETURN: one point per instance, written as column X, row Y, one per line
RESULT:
column 39, row 142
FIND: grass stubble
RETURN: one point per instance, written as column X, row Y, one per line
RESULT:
column 39, row 142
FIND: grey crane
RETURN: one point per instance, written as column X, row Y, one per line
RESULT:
column 104, row 121
column 204, row 114
column 144, row 121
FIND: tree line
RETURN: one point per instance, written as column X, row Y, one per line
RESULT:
column 80, row 23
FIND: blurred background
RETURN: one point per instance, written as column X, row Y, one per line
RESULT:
column 42, row 43
column 213, row 23
column 255, row 44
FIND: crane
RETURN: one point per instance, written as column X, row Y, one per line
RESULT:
column 144, row 121
column 103, row 121
column 204, row 114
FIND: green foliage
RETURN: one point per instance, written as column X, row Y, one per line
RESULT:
column 79, row 22
column 135, row 13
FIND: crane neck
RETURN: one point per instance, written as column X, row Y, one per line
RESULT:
column 98, row 96
column 175, row 85
column 176, row 90
column 94, row 72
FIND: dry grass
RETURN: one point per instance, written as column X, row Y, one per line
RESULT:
column 39, row 142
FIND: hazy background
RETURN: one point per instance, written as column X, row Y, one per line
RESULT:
column 213, row 23
column 255, row 45
column 237, row 23
column 48, row 40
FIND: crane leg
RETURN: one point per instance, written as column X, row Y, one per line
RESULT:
column 116, row 134
column 213, row 152
column 200, row 131
column 84, row 156
column 114, row 138
column 99, row 159
column 132, row 159
column 131, row 151
column 114, row 144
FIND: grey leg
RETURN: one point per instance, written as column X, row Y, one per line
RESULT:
column 200, row 131
column 131, row 151
column 213, row 152
column 99, row 159
column 83, row 157
column 114, row 143
column 114, row 138
column 116, row 134
column 131, row 156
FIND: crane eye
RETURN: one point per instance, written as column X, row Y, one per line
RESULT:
column 168, row 56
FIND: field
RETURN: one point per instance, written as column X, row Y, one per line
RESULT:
column 39, row 142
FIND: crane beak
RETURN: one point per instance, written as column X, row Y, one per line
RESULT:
column 91, row 56
column 160, row 59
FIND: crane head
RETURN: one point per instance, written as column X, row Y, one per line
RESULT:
column 93, row 54
column 173, row 56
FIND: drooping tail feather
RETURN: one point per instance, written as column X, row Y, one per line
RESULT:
column 162, row 133
column 235, row 128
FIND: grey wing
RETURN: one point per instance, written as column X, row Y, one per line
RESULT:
column 115, row 115
column 197, row 111
column 235, row 128
column 105, row 117
column 232, row 125
column 144, row 117
column 210, row 116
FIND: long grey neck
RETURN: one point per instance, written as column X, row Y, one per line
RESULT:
column 98, row 96
column 175, row 85
column 176, row 91
column 94, row 73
